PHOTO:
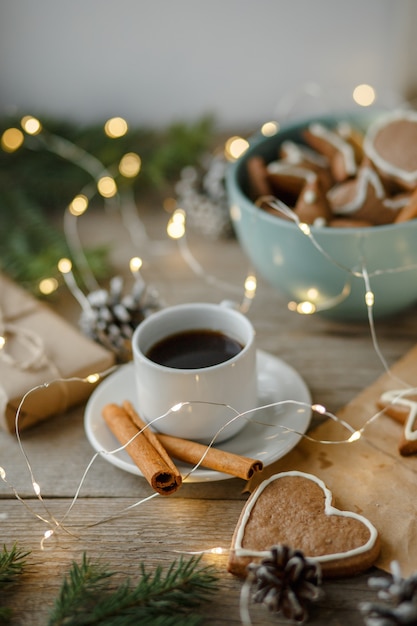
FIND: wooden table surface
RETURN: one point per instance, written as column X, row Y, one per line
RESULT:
column 337, row 361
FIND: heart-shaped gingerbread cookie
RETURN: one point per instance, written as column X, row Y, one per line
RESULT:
column 296, row 509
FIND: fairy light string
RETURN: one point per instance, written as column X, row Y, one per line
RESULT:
column 177, row 230
column 54, row 525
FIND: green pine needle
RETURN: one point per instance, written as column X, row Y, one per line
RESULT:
column 168, row 598
column 12, row 563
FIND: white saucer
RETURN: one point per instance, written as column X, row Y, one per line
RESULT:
column 265, row 437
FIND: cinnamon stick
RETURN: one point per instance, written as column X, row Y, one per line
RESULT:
column 148, row 433
column 193, row 452
column 213, row 458
column 162, row 476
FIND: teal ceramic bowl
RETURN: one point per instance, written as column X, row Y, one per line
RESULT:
column 333, row 267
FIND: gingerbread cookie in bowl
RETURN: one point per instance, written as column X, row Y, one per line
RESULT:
column 296, row 509
column 363, row 198
column 391, row 144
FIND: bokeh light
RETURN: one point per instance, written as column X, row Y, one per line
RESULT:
column 364, row 95
column 115, row 127
column 64, row 265
column 79, row 205
column 12, row 139
column 47, row 286
column 31, row 125
column 107, row 186
column 176, row 225
column 269, row 129
column 130, row 164
column 235, row 147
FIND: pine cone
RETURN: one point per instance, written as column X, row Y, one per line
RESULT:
column 286, row 581
column 113, row 317
column 399, row 596
column 201, row 192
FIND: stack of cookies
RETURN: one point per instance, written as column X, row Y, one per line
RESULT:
column 342, row 177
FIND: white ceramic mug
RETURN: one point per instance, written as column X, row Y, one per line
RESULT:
column 203, row 392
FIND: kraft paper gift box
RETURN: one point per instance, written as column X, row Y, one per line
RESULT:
column 40, row 349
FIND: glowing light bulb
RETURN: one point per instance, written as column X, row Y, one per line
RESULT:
column 130, row 164
column 305, row 228
column 364, row 95
column 235, row 147
column 176, row 225
column 64, row 266
column 135, row 264
column 306, row 308
column 250, row 283
column 12, row 139
column 36, row 488
column 177, row 407
column 79, row 205
column 107, row 187
column 319, row 408
column 369, row 298
column 355, row 436
column 115, row 127
column 2, row 342
column 31, row 125
column 2, row 473
column 269, row 129
column 93, row 378
column 47, row 286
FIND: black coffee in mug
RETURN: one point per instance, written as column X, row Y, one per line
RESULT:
column 194, row 349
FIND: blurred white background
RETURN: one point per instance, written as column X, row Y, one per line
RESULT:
column 158, row 61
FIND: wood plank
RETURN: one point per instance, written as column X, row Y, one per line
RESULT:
column 156, row 534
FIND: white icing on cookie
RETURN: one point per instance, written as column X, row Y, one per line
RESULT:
column 289, row 169
column 294, row 153
column 329, row 509
column 366, row 177
column 309, row 196
column 397, row 397
column 410, row 177
column 396, row 203
column 338, row 143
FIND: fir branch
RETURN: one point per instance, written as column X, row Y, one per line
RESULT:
column 12, row 563
column 52, row 181
column 35, row 182
column 30, row 246
column 159, row 598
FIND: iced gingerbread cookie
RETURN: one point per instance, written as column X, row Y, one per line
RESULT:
column 329, row 143
column 295, row 509
column 363, row 198
column 353, row 136
column 403, row 409
column 312, row 206
column 287, row 180
column 391, row 144
column 302, row 156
